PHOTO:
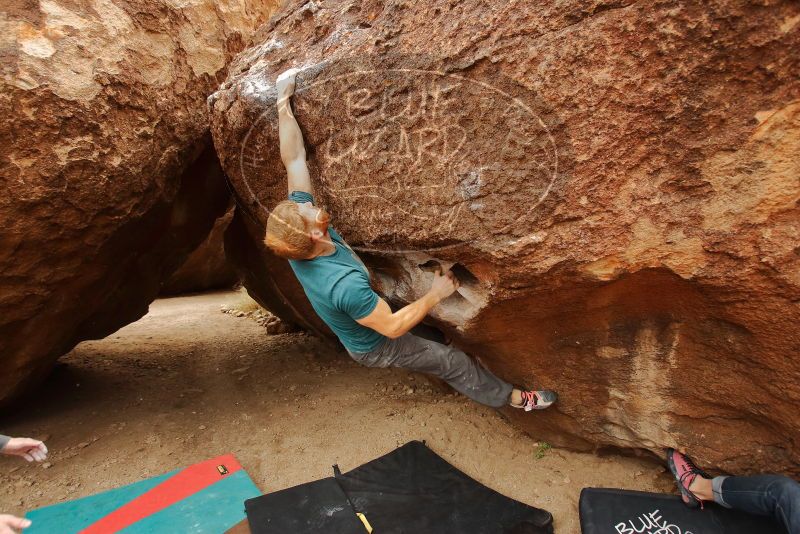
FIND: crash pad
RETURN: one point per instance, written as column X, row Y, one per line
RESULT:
column 616, row 511
column 203, row 498
column 410, row 490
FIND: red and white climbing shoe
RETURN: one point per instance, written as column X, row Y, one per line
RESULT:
column 536, row 400
column 685, row 472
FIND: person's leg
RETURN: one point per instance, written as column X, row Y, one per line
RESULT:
column 450, row 364
column 772, row 495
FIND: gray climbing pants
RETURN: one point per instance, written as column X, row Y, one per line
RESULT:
column 450, row 364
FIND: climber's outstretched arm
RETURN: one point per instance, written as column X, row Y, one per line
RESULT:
column 293, row 151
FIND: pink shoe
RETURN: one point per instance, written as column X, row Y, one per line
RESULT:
column 537, row 400
column 685, row 472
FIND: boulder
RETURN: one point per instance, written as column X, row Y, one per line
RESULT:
column 616, row 184
column 108, row 179
column 206, row 267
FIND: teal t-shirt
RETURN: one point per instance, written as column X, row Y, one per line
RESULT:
column 338, row 288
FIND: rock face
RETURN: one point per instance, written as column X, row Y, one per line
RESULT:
column 206, row 267
column 615, row 183
column 108, row 179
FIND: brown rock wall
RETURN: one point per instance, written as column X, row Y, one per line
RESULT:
column 206, row 267
column 107, row 180
column 618, row 183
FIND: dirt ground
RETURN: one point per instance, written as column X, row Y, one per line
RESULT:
column 187, row 383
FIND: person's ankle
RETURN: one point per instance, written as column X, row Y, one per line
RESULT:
column 516, row 397
column 701, row 488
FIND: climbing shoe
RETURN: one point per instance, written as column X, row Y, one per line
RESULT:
column 685, row 472
column 537, row 400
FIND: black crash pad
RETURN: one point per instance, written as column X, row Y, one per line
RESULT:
column 315, row 507
column 411, row 490
column 614, row 511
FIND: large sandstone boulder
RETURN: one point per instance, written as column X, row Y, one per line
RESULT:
column 616, row 183
column 108, row 179
column 206, row 267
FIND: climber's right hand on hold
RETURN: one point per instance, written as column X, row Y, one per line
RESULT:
column 285, row 84
column 444, row 285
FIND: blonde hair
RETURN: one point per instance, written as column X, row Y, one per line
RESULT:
column 287, row 235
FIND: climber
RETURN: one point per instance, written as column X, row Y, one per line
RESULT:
column 337, row 283
column 32, row 450
column 770, row 495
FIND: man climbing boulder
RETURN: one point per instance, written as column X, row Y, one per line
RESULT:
column 337, row 284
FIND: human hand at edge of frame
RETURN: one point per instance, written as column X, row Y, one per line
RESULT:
column 444, row 285
column 32, row 450
column 10, row 524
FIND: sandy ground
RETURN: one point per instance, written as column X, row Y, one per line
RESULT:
column 187, row 383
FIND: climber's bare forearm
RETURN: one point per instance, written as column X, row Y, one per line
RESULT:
column 394, row 325
column 293, row 150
